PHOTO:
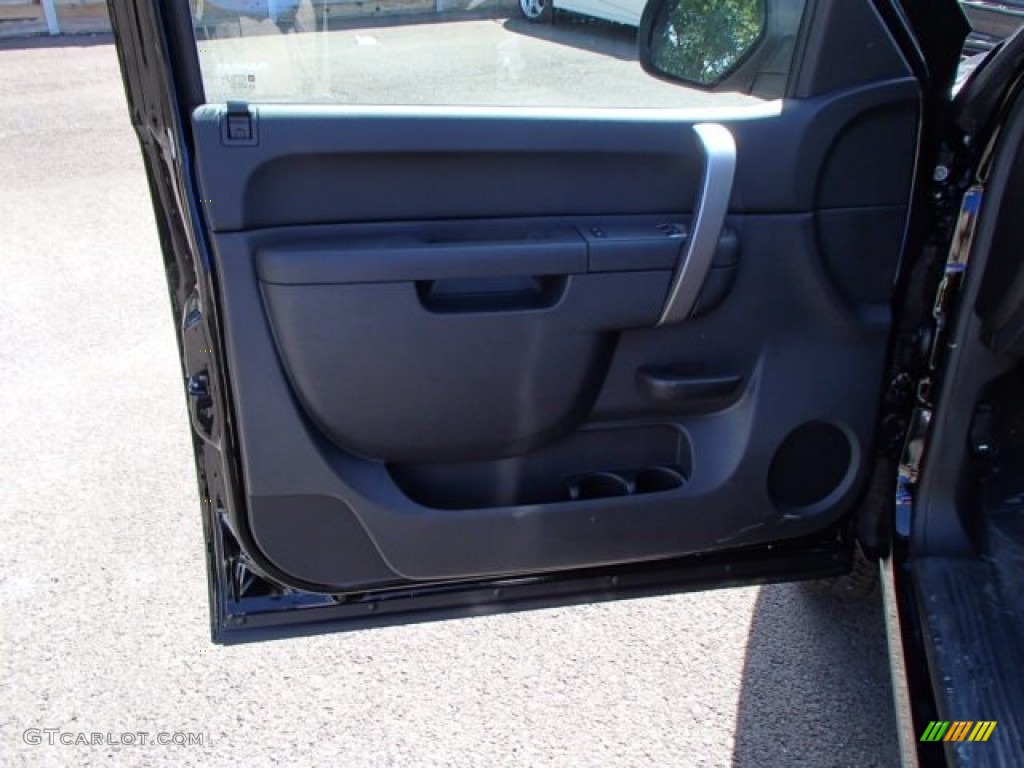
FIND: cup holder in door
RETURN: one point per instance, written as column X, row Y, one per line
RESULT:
column 598, row 485
column 657, row 479
column 604, row 485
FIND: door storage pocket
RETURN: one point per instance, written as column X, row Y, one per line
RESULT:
column 585, row 466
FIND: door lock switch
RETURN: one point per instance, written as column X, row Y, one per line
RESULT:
column 239, row 126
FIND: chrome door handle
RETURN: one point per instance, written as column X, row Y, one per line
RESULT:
column 709, row 216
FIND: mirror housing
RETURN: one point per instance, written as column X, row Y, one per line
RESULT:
column 739, row 46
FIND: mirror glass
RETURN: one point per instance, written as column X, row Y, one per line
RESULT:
column 700, row 41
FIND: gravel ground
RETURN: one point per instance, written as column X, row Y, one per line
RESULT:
column 102, row 583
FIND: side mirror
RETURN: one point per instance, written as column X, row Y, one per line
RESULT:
column 741, row 46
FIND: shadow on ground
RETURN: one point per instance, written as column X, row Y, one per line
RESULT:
column 816, row 689
column 583, row 33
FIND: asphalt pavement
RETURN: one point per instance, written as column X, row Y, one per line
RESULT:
column 103, row 606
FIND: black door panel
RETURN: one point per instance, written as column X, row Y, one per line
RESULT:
column 481, row 388
column 761, row 333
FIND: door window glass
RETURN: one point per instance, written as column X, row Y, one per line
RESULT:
column 541, row 53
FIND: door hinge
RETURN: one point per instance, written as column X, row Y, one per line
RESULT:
column 946, row 295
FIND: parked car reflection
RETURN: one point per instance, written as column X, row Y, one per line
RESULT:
column 619, row 11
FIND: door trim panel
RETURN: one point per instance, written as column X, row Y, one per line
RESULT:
column 421, row 543
column 342, row 167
